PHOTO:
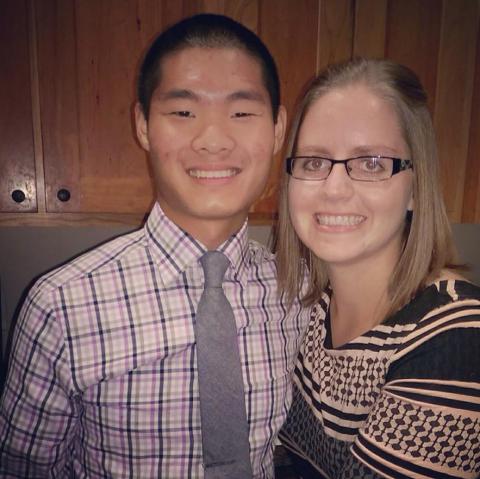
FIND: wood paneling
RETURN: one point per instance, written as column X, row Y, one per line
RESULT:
column 471, row 199
column 58, row 92
column 413, row 37
column 287, row 28
column 453, row 101
column 89, row 51
column 335, row 32
column 85, row 55
column 17, row 166
column 370, row 28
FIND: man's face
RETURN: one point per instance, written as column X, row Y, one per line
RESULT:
column 211, row 138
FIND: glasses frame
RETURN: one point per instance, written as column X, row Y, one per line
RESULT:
column 399, row 165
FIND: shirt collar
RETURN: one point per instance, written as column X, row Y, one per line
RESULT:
column 174, row 250
column 237, row 250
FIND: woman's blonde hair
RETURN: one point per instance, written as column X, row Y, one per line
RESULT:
column 428, row 245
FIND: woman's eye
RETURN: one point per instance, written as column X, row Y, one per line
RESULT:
column 314, row 164
column 372, row 164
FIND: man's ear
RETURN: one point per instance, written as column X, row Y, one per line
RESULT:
column 141, row 127
column 280, row 127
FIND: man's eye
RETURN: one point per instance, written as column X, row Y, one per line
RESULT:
column 242, row 114
column 182, row 114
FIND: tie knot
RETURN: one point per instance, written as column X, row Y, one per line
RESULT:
column 214, row 265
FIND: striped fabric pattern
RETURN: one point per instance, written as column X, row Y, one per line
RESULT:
column 402, row 400
column 102, row 379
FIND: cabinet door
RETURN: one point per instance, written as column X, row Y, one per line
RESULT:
column 88, row 52
column 17, row 162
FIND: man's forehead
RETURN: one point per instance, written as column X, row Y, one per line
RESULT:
column 215, row 73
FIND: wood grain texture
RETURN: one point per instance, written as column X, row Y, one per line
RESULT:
column 413, row 38
column 17, row 167
column 471, row 197
column 59, row 96
column 36, row 118
column 335, row 32
column 453, row 110
column 85, row 55
column 289, row 30
column 107, row 219
column 370, row 28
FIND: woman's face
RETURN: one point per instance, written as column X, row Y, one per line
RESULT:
column 343, row 221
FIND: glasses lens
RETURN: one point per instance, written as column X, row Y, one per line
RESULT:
column 311, row 168
column 369, row 168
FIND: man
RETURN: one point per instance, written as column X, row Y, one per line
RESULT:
column 103, row 378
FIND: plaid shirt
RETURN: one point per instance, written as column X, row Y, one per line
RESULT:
column 103, row 377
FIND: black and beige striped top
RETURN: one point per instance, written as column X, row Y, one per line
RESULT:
column 400, row 401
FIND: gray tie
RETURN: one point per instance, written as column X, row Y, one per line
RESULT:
column 225, row 443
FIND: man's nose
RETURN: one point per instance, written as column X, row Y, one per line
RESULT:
column 213, row 136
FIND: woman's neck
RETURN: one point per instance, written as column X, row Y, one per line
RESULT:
column 359, row 299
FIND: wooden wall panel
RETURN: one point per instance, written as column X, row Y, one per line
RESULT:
column 413, row 37
column 289, row 29
column 89, row 51
column 370, row 28
column 17, row 167
column 335, row 32
column 455, row 73
column 471, row 198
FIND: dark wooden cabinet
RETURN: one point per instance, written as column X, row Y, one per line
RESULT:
column 68, row 91
column 17, row 159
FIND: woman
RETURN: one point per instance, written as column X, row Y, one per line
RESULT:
column 387, row 383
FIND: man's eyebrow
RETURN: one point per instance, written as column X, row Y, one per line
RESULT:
column 186, row 94
column 251, row 95
column 177, row 94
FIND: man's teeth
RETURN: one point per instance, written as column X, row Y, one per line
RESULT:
column 213, row 173
column 339, row 220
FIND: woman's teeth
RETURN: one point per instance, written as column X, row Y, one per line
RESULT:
column 339, row 220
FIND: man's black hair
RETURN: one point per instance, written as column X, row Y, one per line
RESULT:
column 206, row 31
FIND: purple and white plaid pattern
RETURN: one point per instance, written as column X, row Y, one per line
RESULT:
column 103, row 377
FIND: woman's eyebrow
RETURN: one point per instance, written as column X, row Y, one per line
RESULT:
column 374, row 149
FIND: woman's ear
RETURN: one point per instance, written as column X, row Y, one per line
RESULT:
column 410, row 206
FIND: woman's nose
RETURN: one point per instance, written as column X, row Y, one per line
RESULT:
column 338, row 183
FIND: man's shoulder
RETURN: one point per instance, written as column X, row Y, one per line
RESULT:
column 94, row 261
column 259, row 253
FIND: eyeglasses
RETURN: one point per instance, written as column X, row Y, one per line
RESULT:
column 361, row 168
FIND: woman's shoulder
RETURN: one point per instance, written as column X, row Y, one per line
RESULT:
column 442, row 293
column 450, row 301
column 452, row 285
column 446, row 306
